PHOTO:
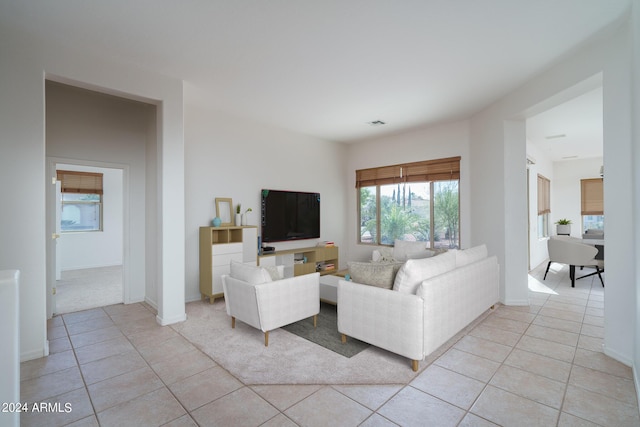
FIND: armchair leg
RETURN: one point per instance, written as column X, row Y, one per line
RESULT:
column 343, row 338
column 233, row 322
column 414, row 365
column 266, row 339
column 315, row 320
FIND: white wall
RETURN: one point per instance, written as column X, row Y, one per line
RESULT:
column 436, row 142
column 565, row 196
column 97, row 248
column 538, row 252
column 103, row 129
column 23, row 69
column 635, row 71
column 565, row 193
column 227, row 156
column 10, row 351
column 611, row 56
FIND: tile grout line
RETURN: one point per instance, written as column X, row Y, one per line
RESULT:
column 154, row 372
column 403, row 386
column 86, row 387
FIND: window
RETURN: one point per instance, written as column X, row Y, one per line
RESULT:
column 81, row 194
column 544, row 206
column 417, row 201
column 592, row 203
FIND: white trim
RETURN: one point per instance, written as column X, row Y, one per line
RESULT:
column 617, row 356
column 517, row 302
column 171, row 320
column 126, row 235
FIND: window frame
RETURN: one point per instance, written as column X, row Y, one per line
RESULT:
column 80, row 182
column 426, row 172
column 544, row 206
column 591, row 199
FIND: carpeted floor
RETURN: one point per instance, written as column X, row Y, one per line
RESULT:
column 88, row 288
column 290, row 359
column 326, row 332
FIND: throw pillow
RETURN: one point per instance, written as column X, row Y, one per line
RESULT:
column 375, row 274
column 276, row 272
column 423, row 253
column 468, row 256
column 402, row 247
column 414, row 271
column 249, row 273
column 382, row 255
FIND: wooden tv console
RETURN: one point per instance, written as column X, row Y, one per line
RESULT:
column 300, row 261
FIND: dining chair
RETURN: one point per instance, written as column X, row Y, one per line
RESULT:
column 570, row 251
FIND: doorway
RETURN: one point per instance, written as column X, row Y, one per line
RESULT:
column 564, row 144
column 89, row 244
column 90, row 129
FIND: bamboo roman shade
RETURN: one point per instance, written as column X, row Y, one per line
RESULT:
column 428, row 170
column 592, row 195
column 544, row 195
column 80, row 182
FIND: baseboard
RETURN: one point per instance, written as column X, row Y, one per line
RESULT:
column 171, row 320
column 83, row 267
column 34, row 354
column 135, row 299
column 518, row 302
column 617, row 356
column 193, row 298
column 637, row 382
column 151, row 303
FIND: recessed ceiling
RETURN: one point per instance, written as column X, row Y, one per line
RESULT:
column 326, row 68
column 572, row 130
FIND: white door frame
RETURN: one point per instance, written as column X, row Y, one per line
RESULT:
column 52, row 255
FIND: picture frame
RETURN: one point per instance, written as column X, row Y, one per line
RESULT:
column 224, row 211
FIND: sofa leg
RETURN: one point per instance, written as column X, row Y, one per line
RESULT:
column 343, row 338
column 414, row 365
column 233, row 322
column 315, row 320
column 266, row 339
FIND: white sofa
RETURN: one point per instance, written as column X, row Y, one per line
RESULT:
column 432, row 300
column 253, row 297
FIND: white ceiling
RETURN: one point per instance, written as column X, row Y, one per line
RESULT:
column 572, row 130
column 327, row 68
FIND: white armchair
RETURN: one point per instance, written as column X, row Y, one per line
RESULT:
column 570, row 251
column 268, row 305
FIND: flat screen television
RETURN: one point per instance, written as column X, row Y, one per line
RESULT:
column 289, row 215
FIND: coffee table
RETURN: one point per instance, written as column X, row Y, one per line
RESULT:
column 329, row 288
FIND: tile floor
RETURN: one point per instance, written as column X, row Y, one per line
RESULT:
column 538, row 365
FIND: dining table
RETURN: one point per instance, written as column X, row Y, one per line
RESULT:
column 598, row 243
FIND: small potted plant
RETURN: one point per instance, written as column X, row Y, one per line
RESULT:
column 563, row 227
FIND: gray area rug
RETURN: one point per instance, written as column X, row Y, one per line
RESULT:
column 326, row 332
